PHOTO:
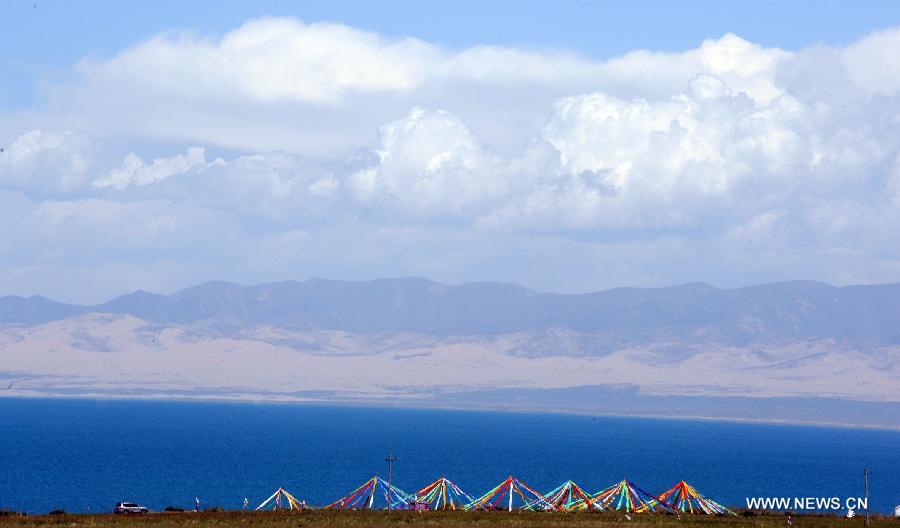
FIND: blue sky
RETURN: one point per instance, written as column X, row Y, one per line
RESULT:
column 571, row 146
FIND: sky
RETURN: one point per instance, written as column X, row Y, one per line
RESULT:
column 566, row 146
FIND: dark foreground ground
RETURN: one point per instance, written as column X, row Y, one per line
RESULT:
column 365, row 519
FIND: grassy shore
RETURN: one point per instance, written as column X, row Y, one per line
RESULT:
column 376, row 519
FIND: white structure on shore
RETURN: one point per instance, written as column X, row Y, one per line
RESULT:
column 897, row 510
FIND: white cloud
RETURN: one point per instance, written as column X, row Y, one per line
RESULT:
column 704, row 156
column 325, row 186
column 282, row 59
column 280, row 84
column 872, row 63
column 360, row 156
column 429, row 165
column 134, row 171
column 46, row 161
column 744, row 66
column 271, row 60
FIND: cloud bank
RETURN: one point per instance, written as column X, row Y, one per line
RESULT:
column 287, row 150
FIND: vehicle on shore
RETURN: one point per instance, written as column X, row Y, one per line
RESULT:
column 129, row 507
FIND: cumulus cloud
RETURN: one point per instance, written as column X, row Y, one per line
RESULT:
column 134, row 171
column 345, row 153
column 46, row 162
column 281, row 84
column 430, row 165
column 706, row 156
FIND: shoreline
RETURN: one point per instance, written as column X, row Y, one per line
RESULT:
column 399, row 404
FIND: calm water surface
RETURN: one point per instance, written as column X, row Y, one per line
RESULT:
column 86, row 455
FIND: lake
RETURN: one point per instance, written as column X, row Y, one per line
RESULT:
column 86, row 455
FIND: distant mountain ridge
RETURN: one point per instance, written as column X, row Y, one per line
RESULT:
column 787, row 311
column 783, row 351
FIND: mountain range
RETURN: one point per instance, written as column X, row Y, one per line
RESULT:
column 781, row 311
column 414, row 341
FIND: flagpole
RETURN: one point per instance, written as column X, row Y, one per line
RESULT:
column 866, row 477
column 390, row 460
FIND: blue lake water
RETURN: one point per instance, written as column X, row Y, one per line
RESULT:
column 84, row 455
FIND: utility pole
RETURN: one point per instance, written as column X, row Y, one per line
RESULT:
column 390, row 459
column 866, row 477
